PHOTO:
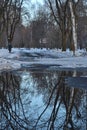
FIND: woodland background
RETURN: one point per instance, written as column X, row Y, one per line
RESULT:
column 42, row 27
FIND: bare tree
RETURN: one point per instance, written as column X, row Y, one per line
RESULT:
column 64, row 13
column 82, row 24
column 13, row 13
column 58, row 11
column 11, row 16
column 72, row 6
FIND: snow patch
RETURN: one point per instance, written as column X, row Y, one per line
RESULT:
column 16, row 59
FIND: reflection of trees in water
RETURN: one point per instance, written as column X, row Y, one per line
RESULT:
column 56, row 94
column 64, row 96
column 45, row 83
column 10, row 102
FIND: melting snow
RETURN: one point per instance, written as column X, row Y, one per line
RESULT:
column 15, row 59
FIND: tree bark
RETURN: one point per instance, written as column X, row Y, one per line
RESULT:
column 63, row 41
column 74, row 32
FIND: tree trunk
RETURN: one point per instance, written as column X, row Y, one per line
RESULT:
column 9, row 45
column 74, row 32
column 63, row 42
column 64, row 35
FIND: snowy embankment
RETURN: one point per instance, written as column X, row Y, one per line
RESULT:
column 31, row 57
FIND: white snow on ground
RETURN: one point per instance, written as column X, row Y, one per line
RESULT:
column 43, row 57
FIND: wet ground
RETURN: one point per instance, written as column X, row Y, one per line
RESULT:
column 43, row 99
column 37, row 56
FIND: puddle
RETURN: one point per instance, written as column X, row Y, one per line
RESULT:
column 43, row 100
column 41, row 67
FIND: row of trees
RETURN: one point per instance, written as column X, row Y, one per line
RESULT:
column 57, row 23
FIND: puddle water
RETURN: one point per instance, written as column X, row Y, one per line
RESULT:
column 43, row 100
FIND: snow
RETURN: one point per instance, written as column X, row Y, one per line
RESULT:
column 27, row 57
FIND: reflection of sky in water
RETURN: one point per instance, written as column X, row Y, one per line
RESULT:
column 35, row 90
column 36, row 102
